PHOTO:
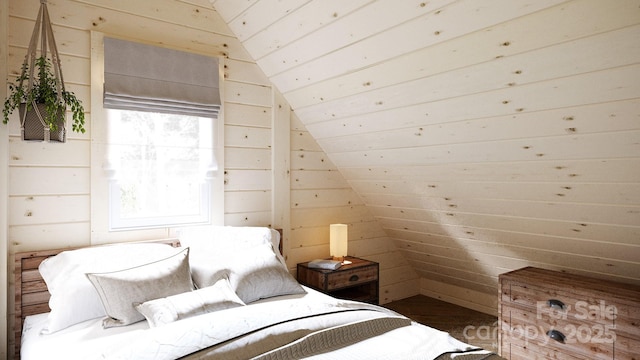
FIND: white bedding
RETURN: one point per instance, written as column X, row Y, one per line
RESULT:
column 247, row 305
column 249, row 331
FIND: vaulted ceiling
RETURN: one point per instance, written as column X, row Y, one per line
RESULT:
column 483, row 135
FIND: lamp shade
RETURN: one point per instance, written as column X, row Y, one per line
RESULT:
column 338, row 240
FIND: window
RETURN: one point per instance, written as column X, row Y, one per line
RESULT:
column 157, row 140
column 161, row 167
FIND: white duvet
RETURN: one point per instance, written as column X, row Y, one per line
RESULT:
column 296, row 326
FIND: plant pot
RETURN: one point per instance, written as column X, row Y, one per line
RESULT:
column 34, row 128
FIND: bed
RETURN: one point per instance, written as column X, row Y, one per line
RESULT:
column 199, row 297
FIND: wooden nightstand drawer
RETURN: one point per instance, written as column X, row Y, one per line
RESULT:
column 341, row 279
column 355, row 281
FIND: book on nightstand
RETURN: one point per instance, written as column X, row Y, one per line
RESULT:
column 324, row 264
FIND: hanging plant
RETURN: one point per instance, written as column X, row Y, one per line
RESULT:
column 39, row 91
column 44, row 91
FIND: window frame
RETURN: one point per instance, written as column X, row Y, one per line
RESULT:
column 118, row 222
column 100, row 181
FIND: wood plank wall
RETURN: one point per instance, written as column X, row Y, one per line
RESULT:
column 483, row 136
column 49, row 186
column 320, row 196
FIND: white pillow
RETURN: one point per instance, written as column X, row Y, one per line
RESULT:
column 73, row 298
column 120, row 290
column 162, row 311
column 213, row 246
column 258, row 274
column 253, row 273
column 229, row 238
column 248, row 256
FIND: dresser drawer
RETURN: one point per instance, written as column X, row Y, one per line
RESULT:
column 628, row 322
column 627, row 348
column 353, row 277
column 534, row 352
column 550, row 335
column 549, row 303
column 597, row 319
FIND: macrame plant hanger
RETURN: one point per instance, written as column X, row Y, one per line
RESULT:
column 43, row 32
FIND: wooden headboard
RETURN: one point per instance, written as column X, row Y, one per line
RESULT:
column 31, row 293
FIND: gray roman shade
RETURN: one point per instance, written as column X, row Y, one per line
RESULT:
column 149, row 78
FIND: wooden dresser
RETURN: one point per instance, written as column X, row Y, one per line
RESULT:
column 545, row 314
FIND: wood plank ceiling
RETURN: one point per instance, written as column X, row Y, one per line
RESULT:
column 483, row 135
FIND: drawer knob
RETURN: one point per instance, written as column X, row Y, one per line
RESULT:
column 354, row 278
column 556, row 304
column 556, row 335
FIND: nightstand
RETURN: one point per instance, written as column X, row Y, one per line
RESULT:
column 355, row 281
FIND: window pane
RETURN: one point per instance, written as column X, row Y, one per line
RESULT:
column 159, row 165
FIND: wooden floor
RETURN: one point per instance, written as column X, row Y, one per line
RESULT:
column 464, row 324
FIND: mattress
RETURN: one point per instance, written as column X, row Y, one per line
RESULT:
column 312, row 325
column 90, row 336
